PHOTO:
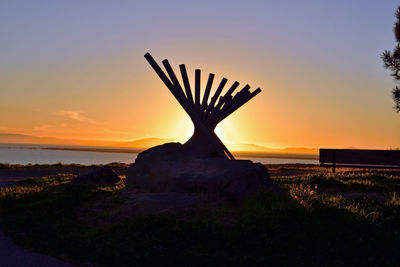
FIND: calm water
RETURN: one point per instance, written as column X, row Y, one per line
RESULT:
column 34, row 154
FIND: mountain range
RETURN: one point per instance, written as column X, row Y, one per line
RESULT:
column 140, row 144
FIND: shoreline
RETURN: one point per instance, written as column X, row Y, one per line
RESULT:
column 235, row 153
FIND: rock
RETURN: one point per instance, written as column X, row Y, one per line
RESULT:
column 170, row 168
column 101, row 176
column 159, row 202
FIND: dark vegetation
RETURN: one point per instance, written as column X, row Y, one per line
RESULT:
column 392, row 61
column 59, row 165
column 350, row 218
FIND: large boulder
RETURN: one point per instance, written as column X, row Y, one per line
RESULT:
column 100, row 176
column 159, row 202
column 170, row 168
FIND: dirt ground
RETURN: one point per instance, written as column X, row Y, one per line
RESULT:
column 9, row 176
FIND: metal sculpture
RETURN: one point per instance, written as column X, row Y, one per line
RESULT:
column 204, row 113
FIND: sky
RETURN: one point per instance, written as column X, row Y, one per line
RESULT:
column 75, row 69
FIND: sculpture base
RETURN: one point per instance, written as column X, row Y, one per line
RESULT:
column 172, row 168
column 202, row 146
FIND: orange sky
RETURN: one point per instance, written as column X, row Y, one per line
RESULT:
column 317, row 95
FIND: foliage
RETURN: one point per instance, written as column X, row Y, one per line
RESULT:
column 392, row 61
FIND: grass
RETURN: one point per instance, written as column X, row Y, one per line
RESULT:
column 350, row 218
column 59, row 165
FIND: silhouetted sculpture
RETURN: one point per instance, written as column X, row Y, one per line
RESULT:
column 202, row 168
column 204, row 114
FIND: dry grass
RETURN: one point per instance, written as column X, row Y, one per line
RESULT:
column 347, row 218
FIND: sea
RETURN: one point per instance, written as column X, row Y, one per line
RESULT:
column 38, row 154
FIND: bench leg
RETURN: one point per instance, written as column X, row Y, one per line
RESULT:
column 334, row 161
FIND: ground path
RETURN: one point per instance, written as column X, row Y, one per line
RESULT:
column 12, row 254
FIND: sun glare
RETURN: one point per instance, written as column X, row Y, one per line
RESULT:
column 183, row 129
column 220, row 132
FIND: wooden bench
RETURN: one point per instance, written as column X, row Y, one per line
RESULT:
column 359, row 158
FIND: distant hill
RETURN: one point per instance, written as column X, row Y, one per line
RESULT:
column 250, row 147
column 300, row 150
column 144, row 143
column 30, row 139
column 27, row 139
column 258, row 148
column 141, row 144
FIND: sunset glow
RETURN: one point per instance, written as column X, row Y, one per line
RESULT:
column 87, row 79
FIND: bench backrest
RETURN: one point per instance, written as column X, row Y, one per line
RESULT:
column 360, row 156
